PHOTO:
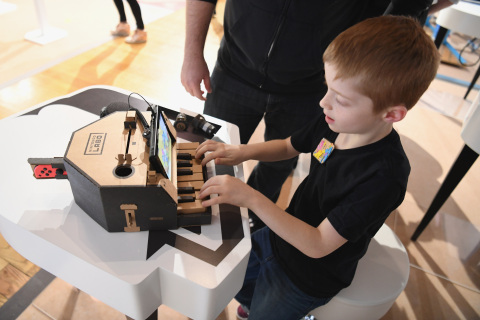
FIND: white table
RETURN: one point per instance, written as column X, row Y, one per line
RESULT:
column 467, row 157
column 197, row 274
column 463, row 17
column 46, row 33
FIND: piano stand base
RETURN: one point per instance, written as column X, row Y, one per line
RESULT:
column 195, row 219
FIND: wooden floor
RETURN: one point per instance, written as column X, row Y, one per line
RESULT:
column 151, row 69
column 444, row 277
column 15, row 271
column 86, row 25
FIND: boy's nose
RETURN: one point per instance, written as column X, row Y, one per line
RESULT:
column 324, row 103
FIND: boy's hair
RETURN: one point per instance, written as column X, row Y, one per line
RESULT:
column 392, row 56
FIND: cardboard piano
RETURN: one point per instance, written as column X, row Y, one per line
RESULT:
column 123, row 173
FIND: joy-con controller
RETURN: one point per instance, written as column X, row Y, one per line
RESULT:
column 46, row 171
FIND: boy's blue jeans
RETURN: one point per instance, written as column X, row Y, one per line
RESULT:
column 267, row 291
column 244, row 105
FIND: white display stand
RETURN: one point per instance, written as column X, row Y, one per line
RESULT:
column 463, row 17
column 197, row 274
column 467, row 157
column 45, row 34
column 381, row 276
column 471, row 126
column 6, row 7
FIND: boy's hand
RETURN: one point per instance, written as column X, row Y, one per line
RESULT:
column 229, row 189
column 225, row 154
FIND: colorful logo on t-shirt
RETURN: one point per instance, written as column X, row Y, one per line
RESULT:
column 323, row 150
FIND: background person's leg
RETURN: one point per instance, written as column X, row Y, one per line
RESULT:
column 123, row 28
column 121, row 10
column 137, row 13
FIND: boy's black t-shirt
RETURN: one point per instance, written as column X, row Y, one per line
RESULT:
column 356, row 189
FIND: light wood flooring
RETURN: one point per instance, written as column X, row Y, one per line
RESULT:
column 444, row 277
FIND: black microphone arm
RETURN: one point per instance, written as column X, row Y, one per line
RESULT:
column 123, row 106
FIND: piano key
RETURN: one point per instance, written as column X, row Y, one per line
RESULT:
column 185, row 190
column 193, row 181
column 184, row 199
column 197, row 185
column 193, row 177
column 184, row 156
column 184, row 172
column 184, row 163
column 191, row 207
column 189, row 170
column 187, row 145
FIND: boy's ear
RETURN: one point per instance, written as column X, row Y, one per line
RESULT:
column 395, row 114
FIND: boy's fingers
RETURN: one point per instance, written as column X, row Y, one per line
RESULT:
column 214, row 154
column 201, row 149
column 205, row 147
column 211, row 186
column 207, row 184
column 207, row 158
column 210, row 202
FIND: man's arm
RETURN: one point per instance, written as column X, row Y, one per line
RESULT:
column 195, row 69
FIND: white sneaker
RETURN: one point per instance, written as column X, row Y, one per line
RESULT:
column 139, row 36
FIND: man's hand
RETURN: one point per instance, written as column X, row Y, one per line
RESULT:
column 194, row 68
column 224, row 154
column 194, row 71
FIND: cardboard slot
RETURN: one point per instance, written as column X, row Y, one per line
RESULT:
column 197, row 185
column 191, row 207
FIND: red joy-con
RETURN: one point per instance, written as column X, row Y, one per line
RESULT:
column 45, row 171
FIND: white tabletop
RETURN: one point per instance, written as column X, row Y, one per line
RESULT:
column 463, row 17
column 471, row 126
column 195, row 274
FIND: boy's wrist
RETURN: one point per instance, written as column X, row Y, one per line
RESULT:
column 254, row 200
column 244, row 154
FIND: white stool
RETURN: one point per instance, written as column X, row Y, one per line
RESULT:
column 381, row 276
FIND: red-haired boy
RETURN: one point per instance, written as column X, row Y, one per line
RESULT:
column 375, row 71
